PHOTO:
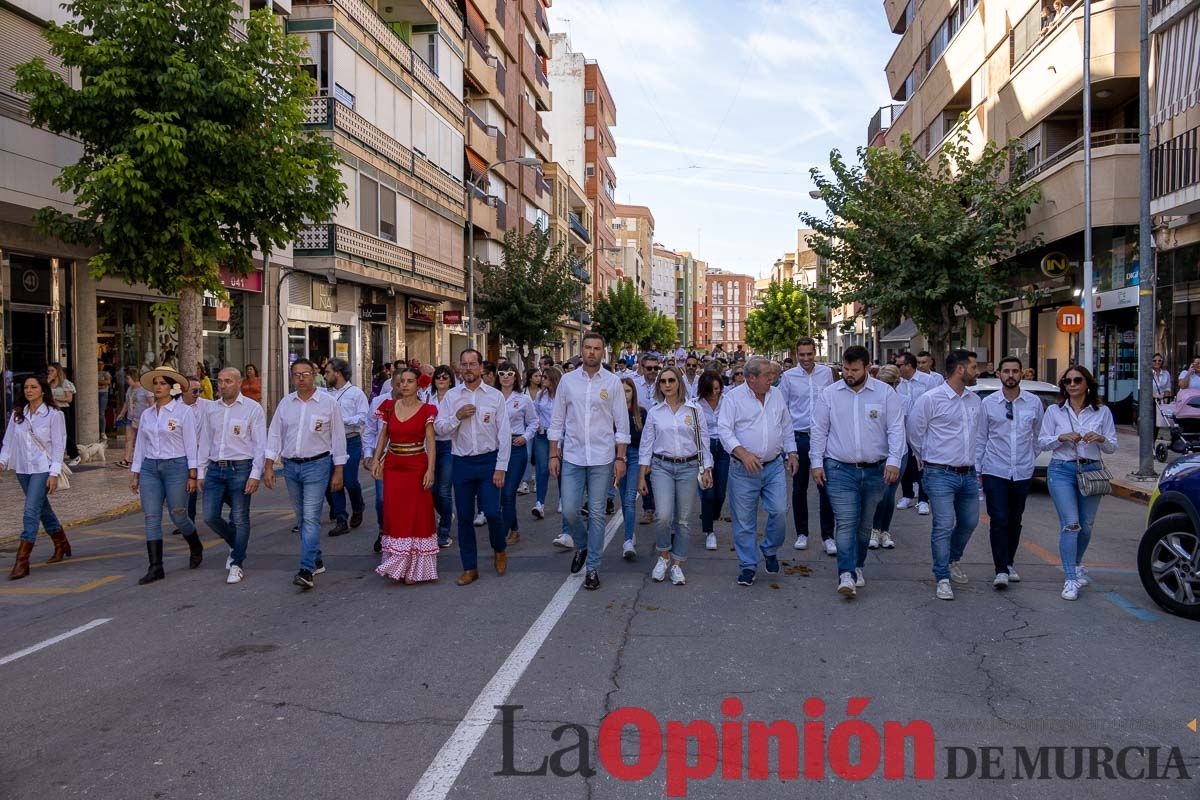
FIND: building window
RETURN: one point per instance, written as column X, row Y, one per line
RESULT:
column 368, row 205
column 590, row 170
column 387, row 214
column 589, row 132
column 589, row 96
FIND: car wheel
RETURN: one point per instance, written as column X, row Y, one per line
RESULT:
column 1169, row 565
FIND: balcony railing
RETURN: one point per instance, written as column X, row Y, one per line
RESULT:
column 883, row 120
column 578, row 227
column 1099, row 139
column 1175, row 164
column 330, row 239
column 541, row 17
column 1158, row 5
column 1030, row 30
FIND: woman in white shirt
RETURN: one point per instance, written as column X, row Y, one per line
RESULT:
column 443, row 485
column 34, row 442
column 164, row 466
column 673, row 452
column 523, row 422
column 708, row 397
column 543, row 404
column 1078, row 429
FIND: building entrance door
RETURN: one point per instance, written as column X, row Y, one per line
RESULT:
column 32, row 350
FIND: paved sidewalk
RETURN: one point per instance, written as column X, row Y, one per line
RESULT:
column 1124, row 463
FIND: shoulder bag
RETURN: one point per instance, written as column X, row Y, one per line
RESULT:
column 1094, row 482
column 696, row 412
column 64, row 474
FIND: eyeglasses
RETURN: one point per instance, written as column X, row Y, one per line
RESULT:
column 666, row 381
column 441, row 377
column 506, row 373
column 302, row 374
column 738, row 374
column 1008, row 409
column 196, row 392
column 1072, row 381
column 651, row 369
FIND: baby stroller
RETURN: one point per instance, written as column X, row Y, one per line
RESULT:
column 1182, row 421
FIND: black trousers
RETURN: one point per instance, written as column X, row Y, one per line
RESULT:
column 1005, row 506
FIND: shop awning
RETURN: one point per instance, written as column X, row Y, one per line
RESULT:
column 903, row 332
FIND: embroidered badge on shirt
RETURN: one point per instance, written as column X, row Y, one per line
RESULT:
column 237, row 429
column 172, row 424
column 604, row 394
column 318, row 426
column 873, row 413
column 687, row 420
column 487, row 417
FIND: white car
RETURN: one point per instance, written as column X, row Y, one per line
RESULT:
column 1046, row 392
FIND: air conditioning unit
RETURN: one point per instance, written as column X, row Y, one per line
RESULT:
column 492, row 200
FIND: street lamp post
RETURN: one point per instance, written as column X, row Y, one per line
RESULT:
column 524, row 161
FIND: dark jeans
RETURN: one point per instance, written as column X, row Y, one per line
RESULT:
column 912, row 475
column 518, row 459
column 887, row 504
column 226, row 486
column 350, row 483
column 443, row 487
column 800, row 493
column 1005, row 505
column 713, row 498
column 473, row 483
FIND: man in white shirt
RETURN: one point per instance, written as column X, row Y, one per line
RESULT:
column 679, row 354
column 857, row 446
column 191, row 397
column 307, row 433
column 691, row 377
column 800, row 387
column 589, row 433
column 1005, row 449
column 913, row 384
column 942, row 430
column 925, row 366
column 474, row 416
column 754, row 427
column 355, row 409
column 233, row 441
column 648, row 370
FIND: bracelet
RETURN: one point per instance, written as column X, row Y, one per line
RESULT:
column 556, row 456
column 622, row 458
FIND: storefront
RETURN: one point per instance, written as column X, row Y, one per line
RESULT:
column 1177, row 306
column 420, row 319
column 37, row 316
column 323, row 320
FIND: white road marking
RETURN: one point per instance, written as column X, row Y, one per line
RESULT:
column 439, row 778
column 53, row 640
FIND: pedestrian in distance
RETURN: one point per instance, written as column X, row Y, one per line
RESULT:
column 800, row 387
column 627, row 487
column 193, row 396
column 881, row 536
column 533, row 384
column 710, row 392
column 523, row 425
column 648, row 369
column 543, row 404
column 913, row 384
column 1077, row 430
column 355, row 408
column 64, row 400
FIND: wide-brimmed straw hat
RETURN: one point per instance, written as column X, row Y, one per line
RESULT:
column 147, row 378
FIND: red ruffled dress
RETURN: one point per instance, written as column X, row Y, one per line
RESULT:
column 409, row 539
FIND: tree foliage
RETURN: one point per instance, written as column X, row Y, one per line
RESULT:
column 780, row 320
column 530, row 293
column 924, row 239
column 662, row 331
column 621, row 315
column 194, row 149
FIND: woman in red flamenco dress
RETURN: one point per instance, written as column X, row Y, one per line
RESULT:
column 404, row 461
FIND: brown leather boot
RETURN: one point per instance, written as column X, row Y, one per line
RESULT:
column 513, row 537
column 21, row 565
column 62, row 548
column 470, row 576
column 501, row 562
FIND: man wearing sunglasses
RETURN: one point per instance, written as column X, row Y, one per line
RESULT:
column 648, row 371
column 192, row 398
column 1005, row 448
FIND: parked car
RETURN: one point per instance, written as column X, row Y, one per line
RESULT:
column 1046, row 392
column 1168, row 556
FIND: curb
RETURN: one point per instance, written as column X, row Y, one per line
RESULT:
column 1131, row 493
column 104, row 516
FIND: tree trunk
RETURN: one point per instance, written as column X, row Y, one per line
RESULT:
column 191, row 349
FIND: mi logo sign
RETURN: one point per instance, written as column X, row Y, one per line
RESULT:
column 1070, row 319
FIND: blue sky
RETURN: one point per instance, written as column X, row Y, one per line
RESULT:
column 724, row 105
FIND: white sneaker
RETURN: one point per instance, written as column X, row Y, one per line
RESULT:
column 859, row 580
column 627, row 551
column 846, row 585
column 944, row 592
column 903, row 503
column 874, row 543
column 677, row 578
column 710, row 542
column 1013, row 577
column 885, row 540
column 801, row 542
column 523, row 488
column 1070, row 590
column 235, row 575
column 1081, row 576
column 956, row 573
column 228, row 562
column 1000, row 581
column 480, row 519
column 539, row 511
column 830, row 547
column 560, row 506
column 564, row 541
column 923, row 509
column 659, row 573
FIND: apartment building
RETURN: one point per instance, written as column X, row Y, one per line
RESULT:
column 1014, row 68
column 633, row 227
column 662, row 280
column 571, row 213
column 580, row 126
column 730, row 298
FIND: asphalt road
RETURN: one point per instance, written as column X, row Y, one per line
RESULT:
column 364, row 689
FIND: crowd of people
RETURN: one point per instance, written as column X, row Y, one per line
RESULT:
column 451, row 448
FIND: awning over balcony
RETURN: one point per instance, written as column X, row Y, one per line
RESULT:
column 904, row 332
column 477, row 162
column 1178, row 86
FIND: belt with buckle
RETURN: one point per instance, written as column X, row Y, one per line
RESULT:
column 353, row 434
column 406, row 448
column 1088, row 460
column 948, row 468
column 317, row 457
column 226, row 464
column 673, row 460
column 860, row 464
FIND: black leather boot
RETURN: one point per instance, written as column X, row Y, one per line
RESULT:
column 155, row 573
column 197, row 550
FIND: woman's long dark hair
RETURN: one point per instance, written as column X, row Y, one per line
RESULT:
column 1092, row 398
column 441, row 371
column 635, row 408
column 21, row 403
column 709, row 380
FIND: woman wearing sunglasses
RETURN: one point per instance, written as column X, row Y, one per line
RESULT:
column 627, row 487
column 712, row 499
column 543, row 404
column 523, row 421
column 533, row 385
column 1077, row 430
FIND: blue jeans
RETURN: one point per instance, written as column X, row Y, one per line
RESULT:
column 627, row 488
column 517, row 461
column 1005, row 506
column 745, row 492
column 910, row 476
column 1076, row 513
column 473, row 484
column 306, row 485
column 596, row 479
column 541, row 465
column 350, row 483
column 164, row 479
column 954, row 500
column 443, row 487
column 227, row 485
column 675, row 492
column 887, row 503
column 800, row 493
column 37, row 506
column 713, row 498
column 528, row 476
column 854, row 493
column 103, row 398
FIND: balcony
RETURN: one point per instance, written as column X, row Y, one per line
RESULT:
column 1114, row 186
column 338, row 241
column 481, row 72
column 1167, row 12
column 531, row 68
column 1175, row 175
column 578, row 228
column 880, row 123
column 480, row 140
column 1118, row 136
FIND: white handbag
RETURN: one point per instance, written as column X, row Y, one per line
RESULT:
column 64, row 475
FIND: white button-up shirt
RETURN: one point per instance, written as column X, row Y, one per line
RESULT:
column 1060, row 419
column 167, row 432
column 801, row 389
column 858, row 427
column 485, row 432
column 543, row 404
column 691, row 385
column 307, row 428
column 375, row 424
column 910, row 389
column 354, row 405
column 645, row 390
column 1162, row 382
column 673, row 433
column 942, row 426
column 233, row 432
column 711, row 415
column 932, row 380
column 590, row 418
column 1007, row 448
column 763, row 427
column 522, row 416
column 25, row 456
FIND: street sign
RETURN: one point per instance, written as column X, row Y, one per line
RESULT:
column 1070, row 319
column 452, row 317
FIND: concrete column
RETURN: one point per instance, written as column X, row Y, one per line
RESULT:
column 86, row 375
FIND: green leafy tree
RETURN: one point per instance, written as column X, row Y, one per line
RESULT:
column 194, row 145
column 662, row 331
column 621, row 315
column 780, row 320
column 930, row 240
column 528, row 295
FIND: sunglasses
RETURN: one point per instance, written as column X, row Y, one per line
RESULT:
column 196, row 392
column 666, row 381
column 651, row 369
column 506, row 373
column 1072, row 381
column 738, row 374
column 1008, row 409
